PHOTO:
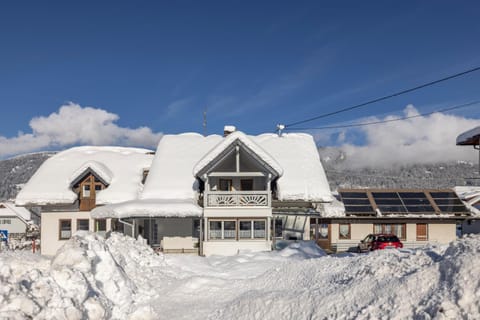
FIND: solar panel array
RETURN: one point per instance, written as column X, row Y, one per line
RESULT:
column 363, row 202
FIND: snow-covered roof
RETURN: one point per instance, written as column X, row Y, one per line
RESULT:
column 294, row 155
column 470, row 137
column 247, row 142
column 121, row 167
column 149, row 208
column 8, row 209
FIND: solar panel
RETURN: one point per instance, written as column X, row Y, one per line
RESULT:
column 407, row 202
column 356, row 201
column 356, row 195
column 359, row 210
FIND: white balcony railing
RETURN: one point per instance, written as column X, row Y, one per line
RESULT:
column 237, row 199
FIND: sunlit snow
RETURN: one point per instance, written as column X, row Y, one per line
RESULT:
column 123, row 278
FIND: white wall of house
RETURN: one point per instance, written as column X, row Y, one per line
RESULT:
column 13, row 224
column 50, row 228
column 229, row 248
column 438, row 233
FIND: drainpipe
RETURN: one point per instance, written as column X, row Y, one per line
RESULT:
column 132, row 225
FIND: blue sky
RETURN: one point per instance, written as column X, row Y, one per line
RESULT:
column 252, row 64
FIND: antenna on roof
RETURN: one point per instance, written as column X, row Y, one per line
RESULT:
column 280, row 128
column 205, row 122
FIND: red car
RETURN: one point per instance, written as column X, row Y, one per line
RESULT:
column 379, row 241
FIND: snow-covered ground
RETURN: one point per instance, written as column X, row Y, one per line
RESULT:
column 122, row 278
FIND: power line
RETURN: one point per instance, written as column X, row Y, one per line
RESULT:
column 384, row 97
column 390, row 120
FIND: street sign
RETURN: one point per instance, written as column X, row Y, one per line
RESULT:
column 4, row 235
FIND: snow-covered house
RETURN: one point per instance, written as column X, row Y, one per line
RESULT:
column 16, row 220
column 70, row 184
column 470, row 195
column 219, row 194
column 416, row 216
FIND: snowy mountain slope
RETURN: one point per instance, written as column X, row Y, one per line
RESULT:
column 122, row 278
column 15, row 172
column 438, row 175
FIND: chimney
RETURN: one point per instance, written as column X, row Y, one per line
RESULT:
column 228, row 129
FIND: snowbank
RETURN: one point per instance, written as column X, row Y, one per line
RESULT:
column 122, row 278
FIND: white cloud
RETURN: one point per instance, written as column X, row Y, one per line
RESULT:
column 427, row 139
column 76, row 125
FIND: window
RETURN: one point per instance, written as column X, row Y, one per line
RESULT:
column 246, row 184
column 86, row 191
column 247, row 229
column 323, row 231
column 65, row 228
column 6, row 221
column 422, row 232
column 100, row 225
column 225, row 184
column 259, row 229
column 344, row 231
column 83, row 224
column 98, row 187
column 229, row 229
column 215, row 230
column 398, row 229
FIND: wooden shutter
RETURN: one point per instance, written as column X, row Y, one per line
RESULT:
column 422, row 232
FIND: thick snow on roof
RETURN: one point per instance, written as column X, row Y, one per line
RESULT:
column 122, row 167
column 469, row 137
column 225, row 143
column 303, row 175
column 149, row 208
column 9, row 210
column 170, row 176
column 99, row 168
column 177, row 157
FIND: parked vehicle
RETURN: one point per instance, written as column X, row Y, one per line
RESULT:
column 378, row 242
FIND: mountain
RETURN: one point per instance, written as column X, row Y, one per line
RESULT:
column 15, row 172
column 435, row 176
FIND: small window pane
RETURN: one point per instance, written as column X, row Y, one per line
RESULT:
column 245, row 231
column 100, row 225
column 259, row 229
column 344, row 231
column 323, row 231
column 83, row 224
column 246, row 184
column 65, row 229
column 443, row 195
column 86, row 190
column 412, row 195
column 98, row 187
column 215, row 230
column 229, row 229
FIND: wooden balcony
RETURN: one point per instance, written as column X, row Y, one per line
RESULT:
column 237, row 199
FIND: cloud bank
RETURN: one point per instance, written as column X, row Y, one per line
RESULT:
column 76, row 125
column 427, row 139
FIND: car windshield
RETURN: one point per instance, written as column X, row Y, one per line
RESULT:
column 388, row 239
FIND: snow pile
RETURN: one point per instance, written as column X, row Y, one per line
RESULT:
column 121, row 278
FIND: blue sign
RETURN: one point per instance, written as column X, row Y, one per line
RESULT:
column 4, row 235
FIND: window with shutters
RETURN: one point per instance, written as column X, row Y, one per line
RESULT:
column 422, row 232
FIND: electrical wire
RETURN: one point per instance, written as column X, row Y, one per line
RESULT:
column 390, row 120
column 385, row 97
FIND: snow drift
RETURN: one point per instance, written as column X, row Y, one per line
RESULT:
column 122, row 278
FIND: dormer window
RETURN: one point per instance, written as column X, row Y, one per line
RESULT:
column 87, row 186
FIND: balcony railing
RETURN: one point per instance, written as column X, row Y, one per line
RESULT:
column 237, row 199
